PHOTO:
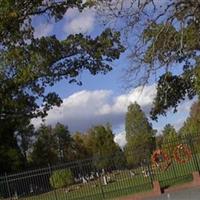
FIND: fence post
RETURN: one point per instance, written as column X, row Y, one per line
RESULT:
column 50, row 172
column 7, row 184
column 174, row 170
column 193, row 153
column 102, row 192
column 150, row 172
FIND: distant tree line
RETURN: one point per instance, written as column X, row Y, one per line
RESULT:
column 53, row 145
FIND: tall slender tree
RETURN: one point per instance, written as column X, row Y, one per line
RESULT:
column 140, row 135
column 191, row 125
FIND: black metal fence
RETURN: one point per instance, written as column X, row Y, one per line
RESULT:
column 86, row 179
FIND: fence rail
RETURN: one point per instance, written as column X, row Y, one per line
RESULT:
column 86, row 180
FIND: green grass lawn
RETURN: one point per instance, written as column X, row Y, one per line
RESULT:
column 176, row 174
column 123, row 184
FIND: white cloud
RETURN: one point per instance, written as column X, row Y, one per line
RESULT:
column 79, row 22
column 120, row 139
column 176, row 119
column 43, row 30
column 143, row 96
column 183, row 112
column 84, row 109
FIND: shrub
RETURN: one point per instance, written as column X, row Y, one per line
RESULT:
column 61, row 178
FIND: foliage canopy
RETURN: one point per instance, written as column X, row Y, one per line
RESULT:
column 163, row 38
column 140, row 135
column 28, row 65
column 61, row 178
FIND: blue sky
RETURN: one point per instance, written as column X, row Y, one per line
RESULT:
column 101, row 98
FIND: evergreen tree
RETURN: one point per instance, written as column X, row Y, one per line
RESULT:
column 192, row 124
column 139, row 135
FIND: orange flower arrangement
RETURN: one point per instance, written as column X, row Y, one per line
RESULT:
column 160, row 159
column 182, row 153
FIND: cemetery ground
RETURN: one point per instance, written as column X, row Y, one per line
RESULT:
column 124, row 182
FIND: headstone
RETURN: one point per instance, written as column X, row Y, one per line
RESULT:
column 104, row 180
column 91, row 177
column 132, row 173
column 16, row 196
column 87, row 177
column 31, row 188
column 84, row 180
column 145, row 173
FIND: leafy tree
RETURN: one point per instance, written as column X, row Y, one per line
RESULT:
column 45, row 148
column 61, row 178
column 103, row 147
column 164, row 41
column 25, row 139
column 82, row 149
column 195, row 110
column 64, row 142
column 139, row 135
column 29, row 65
column 11, row 158
column 56, row 145
column 159, row 141
column 191, row 125
column 136, row 121
column 170, row 139
column 169, row 133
